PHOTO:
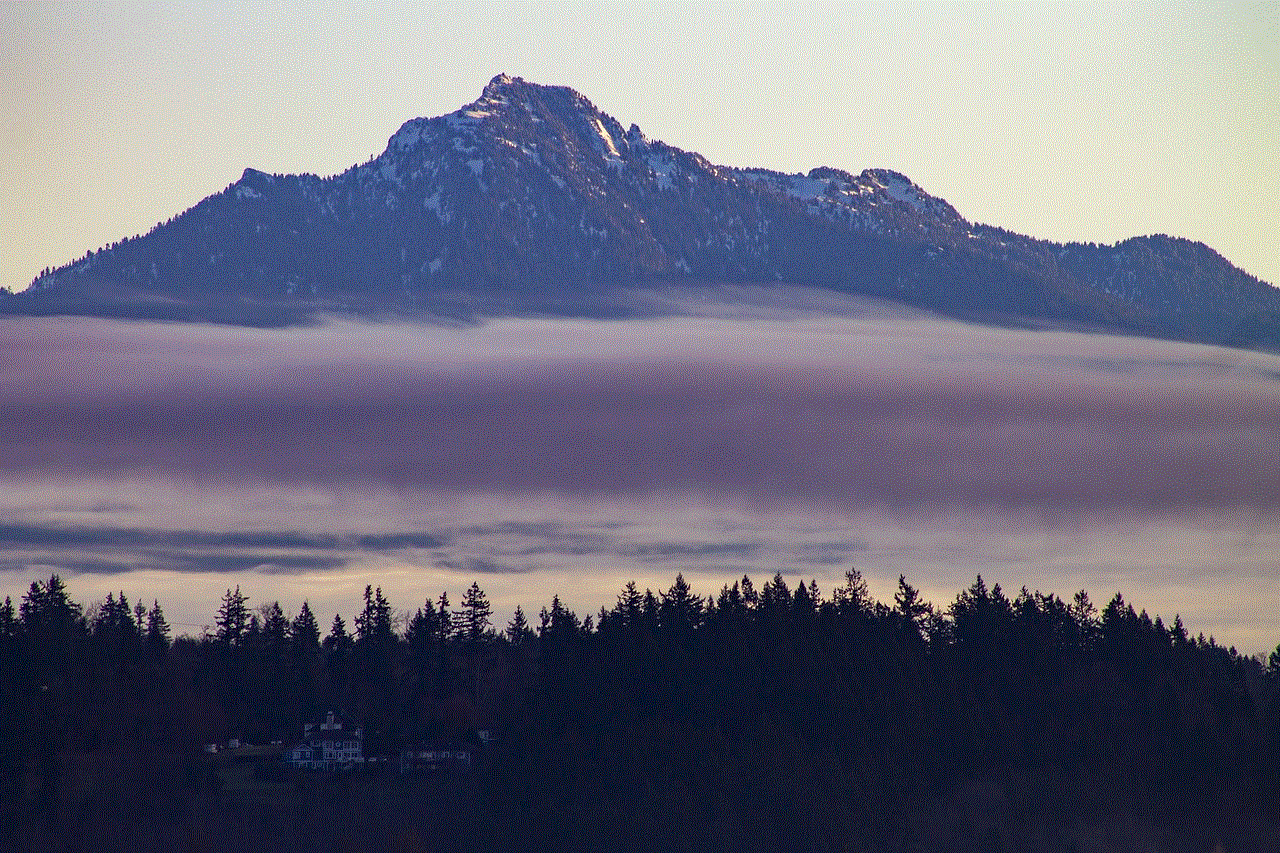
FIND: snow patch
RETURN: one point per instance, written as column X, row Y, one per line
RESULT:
column 466, row 118
column 662, row 165
column 901, row 189
column 802, row 187
column 612, row 156
column 604, row 135
column 432, row 203
column 806, row 188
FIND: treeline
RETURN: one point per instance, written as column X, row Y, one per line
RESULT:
column 760, row 718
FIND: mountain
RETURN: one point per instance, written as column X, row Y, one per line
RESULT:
column 531, row 199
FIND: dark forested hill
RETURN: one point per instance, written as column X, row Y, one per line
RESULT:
column 758, row 719
column 531, row 199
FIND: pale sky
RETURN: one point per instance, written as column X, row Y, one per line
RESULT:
column 1062, row 121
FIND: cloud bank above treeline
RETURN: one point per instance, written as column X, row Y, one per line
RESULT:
column 545, row 453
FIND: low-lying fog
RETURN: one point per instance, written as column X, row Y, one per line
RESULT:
column 557, row 456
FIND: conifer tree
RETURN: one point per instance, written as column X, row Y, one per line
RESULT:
column 679, row 608
column 630, row 604
column 103, row 622
column 1178, row 633
column 1086, row 618
column 157, row 628
column 444, row 620
column 8, row 619
column 421, row 630
column 422, row 637
column 473, row 619
column 338, row 640
column 518, row 630
column 853, row 597
column 729, row 604
column 558, row 623
column 649, row 610
column 365, row 617
column 275, row 626
column 803, row 602
column 253, row 631
column 47, row 608
column 337, row 649
column 304, row 632
column 908, row 604
column 775, row 597
column 233, row 618
column 373, row 624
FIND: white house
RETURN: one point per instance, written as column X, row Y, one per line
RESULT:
column 334, row 744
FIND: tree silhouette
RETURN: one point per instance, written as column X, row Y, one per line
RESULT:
column 518, row 630
column 913, row 611
column 679, row 609
column 304, row 632
column 373, row 624
column 8, row 619
column 233, row 618
column 444, row 620
column 472, row 621
column 157, row 629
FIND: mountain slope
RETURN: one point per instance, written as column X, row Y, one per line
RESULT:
column 530, row 198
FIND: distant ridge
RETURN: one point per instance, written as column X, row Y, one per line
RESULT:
column 531, row 199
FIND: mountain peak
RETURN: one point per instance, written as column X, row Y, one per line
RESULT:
column 498, row 89
column 508, row 102
column 501, row 80
column 532, row 190
column 501, row 87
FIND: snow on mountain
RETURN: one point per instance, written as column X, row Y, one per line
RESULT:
column 531, row 196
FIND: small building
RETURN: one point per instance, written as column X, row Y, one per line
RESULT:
column 332, row 744
column 436, row 757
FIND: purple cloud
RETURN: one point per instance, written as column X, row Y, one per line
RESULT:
column 926, row 423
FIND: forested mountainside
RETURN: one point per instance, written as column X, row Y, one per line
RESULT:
column 530, row 199
column 761, row 718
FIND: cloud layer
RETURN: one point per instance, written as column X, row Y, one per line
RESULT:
column 544, row 452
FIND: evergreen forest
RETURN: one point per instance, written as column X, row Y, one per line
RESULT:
column 759, row 718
